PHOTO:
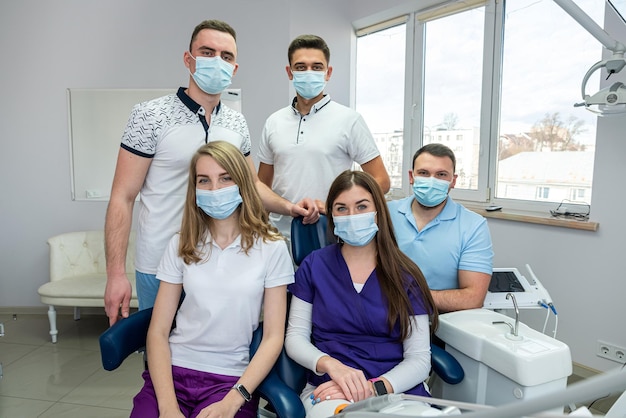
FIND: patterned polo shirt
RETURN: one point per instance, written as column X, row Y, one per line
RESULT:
column 169, row 130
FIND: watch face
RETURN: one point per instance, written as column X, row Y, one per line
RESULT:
column 244, row 392
column 379, row 388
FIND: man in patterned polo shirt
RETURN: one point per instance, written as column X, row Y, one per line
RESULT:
column 157, row 145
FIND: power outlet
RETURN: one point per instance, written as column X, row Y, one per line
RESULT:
column 611, row 352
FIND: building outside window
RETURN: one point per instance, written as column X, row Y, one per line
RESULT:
column 480, row 77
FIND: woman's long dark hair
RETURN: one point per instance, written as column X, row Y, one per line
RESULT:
column 396, row 272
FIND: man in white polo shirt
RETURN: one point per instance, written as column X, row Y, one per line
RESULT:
column 157, row 145
column 304, row 146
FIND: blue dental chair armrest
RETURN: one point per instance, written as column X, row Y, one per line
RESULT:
column 285, row 400
column 282, row 386
column 125, row 337
column 445, row 365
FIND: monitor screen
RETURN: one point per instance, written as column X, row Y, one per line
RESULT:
column 505, row 281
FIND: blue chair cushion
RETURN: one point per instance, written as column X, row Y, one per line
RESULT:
column 307, row 238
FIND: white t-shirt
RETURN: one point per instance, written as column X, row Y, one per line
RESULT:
column 309, row 151
column 223, row 299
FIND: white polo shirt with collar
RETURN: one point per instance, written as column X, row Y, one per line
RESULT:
column 309, row 151
column 223, row 300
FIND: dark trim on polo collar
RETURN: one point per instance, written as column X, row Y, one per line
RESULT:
column 315, row 108
column 191, row 104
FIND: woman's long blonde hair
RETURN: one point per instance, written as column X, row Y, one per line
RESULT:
column 253, row 218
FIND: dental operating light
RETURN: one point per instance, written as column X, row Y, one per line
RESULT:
column 610, row 100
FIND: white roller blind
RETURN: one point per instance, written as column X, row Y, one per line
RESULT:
column 447, row 8
column 382, row 25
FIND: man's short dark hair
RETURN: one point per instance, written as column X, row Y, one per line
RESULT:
column 437, row 150
column 308, row 41
column 215, row 25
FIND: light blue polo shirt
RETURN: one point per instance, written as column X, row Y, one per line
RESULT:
column 457, row 239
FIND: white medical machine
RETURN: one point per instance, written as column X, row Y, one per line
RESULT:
column 503, row 359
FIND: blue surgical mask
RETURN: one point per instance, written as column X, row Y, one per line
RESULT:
column 309, row 84
column 430, row 191
column 220, row 203
column 356, row 230
column 212, row 74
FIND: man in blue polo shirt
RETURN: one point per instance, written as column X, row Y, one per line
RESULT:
column 450, row 244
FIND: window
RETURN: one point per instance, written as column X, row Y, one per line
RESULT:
column 380, row 95
column 453, row 84
column 496, row 82
column 552, row 143
column 543, row 193
column 577, row 195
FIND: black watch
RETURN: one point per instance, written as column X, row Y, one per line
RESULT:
column 379, row 387
column 243, row 392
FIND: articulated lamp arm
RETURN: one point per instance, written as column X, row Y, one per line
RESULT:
column 610, row 100
column 592, row 27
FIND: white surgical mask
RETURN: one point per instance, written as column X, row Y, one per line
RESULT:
column 356, row 230
column 213, row 75
column 220, row 203
column 309, row 84
column 430, row 191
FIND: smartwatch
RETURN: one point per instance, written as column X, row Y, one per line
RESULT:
column 379, row 387
column 243, row 392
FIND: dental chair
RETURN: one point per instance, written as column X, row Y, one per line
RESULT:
column 281, row 387
column 311, row 237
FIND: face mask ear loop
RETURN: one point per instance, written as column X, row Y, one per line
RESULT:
column 188, row 68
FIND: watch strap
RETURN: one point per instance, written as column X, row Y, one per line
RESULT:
column 242, row 391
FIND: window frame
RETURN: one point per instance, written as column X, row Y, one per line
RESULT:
column 413, row 129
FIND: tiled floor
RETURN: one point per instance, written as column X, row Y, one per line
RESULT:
column 67, row 380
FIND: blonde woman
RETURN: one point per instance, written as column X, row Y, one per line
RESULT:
column 229, row 261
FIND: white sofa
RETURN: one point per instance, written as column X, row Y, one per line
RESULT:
column 78, row 273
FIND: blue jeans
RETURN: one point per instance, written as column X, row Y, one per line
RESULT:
column 147, row 288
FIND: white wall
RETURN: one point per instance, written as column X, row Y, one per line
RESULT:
column 47, row 47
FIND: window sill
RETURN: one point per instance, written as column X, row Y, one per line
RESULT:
column 534, row 218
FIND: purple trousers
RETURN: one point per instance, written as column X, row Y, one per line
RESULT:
column 194, row 390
